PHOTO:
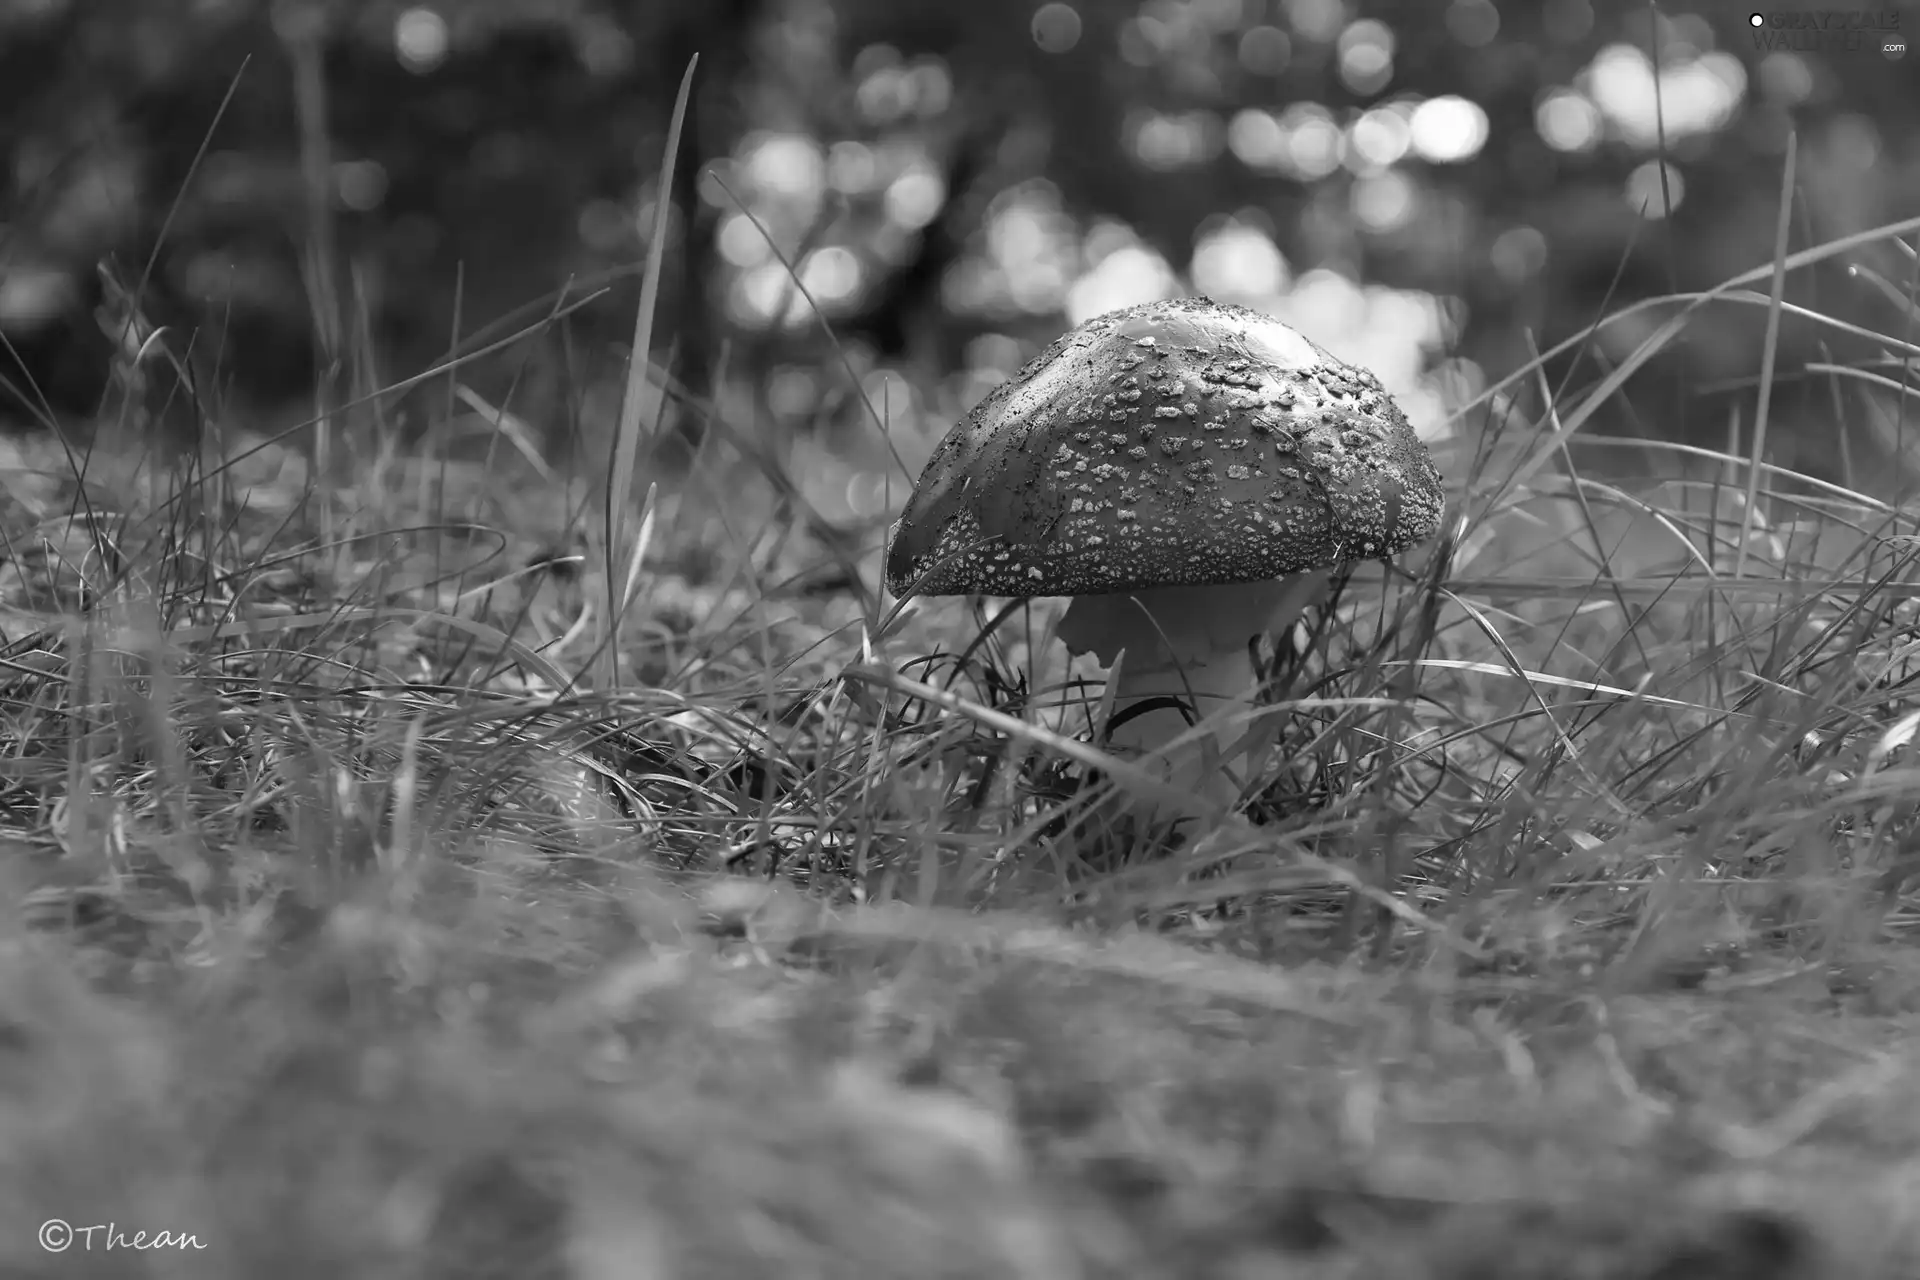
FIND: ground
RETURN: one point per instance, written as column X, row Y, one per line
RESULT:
column 366, row 930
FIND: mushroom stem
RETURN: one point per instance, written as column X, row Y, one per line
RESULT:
column 1189, row 643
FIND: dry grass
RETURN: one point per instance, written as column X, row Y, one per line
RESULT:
column 369, row 930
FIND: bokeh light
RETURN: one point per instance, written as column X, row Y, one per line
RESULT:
column 1567, row 120
column 1238, row 263
column 1698, row 95
column 914, row 198
column 1384, row 202
column 1056, row 27
column 1519, row 254
column 1448, row 129
column 1474, row 23
column 421, row 39
column 1649, row 195
column 1265, row 50
column 1134, row 273
column 788, row 164
column 1316, row 20
column 1366, row 57
column 1381, row 137
column 831, row 274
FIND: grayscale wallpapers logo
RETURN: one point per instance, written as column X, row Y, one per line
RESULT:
column 1829, row 31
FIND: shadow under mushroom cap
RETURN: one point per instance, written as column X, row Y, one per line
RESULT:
column 1173, row 443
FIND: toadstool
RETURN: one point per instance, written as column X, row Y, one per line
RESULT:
column 1191, row 473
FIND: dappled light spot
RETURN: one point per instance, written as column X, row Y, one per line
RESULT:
column 995, row 353
column 872, row 58
column 1854, row 141
column 973, row 285
column 884, row 90
column 1238, row 263
column 930, row 87
column 1316, row 20
column 852, row 167
column 360, row 185
column 1566, row 21
column 1448, row 129
column 1649, row 196
column 874, row 493
column 1381, row 137
column 1220, row 15
column 1474, row 23
column 761, row 294
column 1338, row 306
column 1366, row 57
column 602, row 47
column 1519, row 254
column 1125, row 276
column 1682, row 37
column 1146, row 39
column 1567, row 120
column 1256, row 138
column 831, row 274
column 1313, row 141
column 890, row 395
column 31, row 294
column 1056, row 27
column 915, row 197
column 1031, row 245
column 1384, row 201
column 646, row 210
column 793, row 393
column 1696, row 96
column 1785, row 78
column 741, row 243
column 1265, row 50
column 885, row 95
column 421, row 39
column 718, row 182
column 1182, row 141
column 784, row 164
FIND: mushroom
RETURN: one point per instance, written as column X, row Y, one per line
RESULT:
column 1191, row 473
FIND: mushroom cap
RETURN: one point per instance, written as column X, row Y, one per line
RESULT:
column 1184, row 442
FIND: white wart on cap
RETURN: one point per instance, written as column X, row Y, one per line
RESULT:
column 1177, row 443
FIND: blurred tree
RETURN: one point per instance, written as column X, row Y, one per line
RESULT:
column 484, row 155
column 940, row 171
column 1169, row 114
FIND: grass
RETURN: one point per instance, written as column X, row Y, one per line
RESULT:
column 367, row 927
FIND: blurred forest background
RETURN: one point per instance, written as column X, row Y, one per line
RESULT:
column 1434, row 188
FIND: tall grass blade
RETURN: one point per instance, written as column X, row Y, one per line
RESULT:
column 639, row 392
column 1769, row 352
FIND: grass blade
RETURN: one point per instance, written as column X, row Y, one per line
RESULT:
column 639, row 392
